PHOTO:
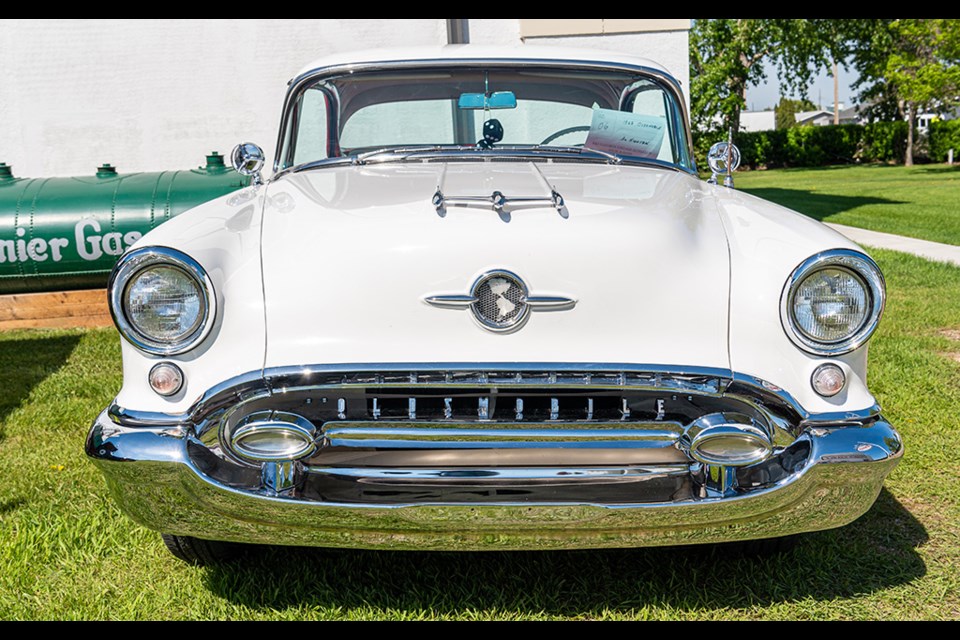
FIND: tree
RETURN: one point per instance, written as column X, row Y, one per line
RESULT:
column 787, row 108
column 726, row 56
column 914, row 64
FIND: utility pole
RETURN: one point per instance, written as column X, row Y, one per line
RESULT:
column 836, row 95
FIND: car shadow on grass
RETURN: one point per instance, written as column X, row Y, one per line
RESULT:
column 816, row 205
column 876, row 552
column 25, row 362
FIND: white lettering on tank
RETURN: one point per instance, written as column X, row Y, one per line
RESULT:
column 21, row 245
column 92, row 252
column 112, row 244
column 8, row 252
column 37, row 249
column 130, row 238
column 56, row 244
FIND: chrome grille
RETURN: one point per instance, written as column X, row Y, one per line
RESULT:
column 498, row 395
column 506, row 414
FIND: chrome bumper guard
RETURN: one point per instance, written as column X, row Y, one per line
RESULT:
column 387, row 484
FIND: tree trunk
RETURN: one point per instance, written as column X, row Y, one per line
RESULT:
column 908, row 157
column 741, row 91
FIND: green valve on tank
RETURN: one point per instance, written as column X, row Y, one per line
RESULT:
column 6, row 172
column 106, row 170
column 214, row 163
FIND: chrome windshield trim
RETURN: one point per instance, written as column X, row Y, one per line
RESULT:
column 285, row 379
column 297, row 85
column 458, row 153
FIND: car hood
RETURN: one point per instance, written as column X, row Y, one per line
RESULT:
column 350, row 253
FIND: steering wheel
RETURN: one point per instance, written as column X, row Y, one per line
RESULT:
column 553, row 136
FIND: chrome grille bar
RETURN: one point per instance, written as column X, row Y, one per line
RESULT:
column 682, row 383
column 499, row 435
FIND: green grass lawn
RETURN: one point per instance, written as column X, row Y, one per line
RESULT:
column 920, row 202
column 66, row 552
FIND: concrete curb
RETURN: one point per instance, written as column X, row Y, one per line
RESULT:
column 924, row 248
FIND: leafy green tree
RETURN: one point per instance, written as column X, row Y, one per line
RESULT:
column 726, row 56
column 914, row 64
column 787, row 108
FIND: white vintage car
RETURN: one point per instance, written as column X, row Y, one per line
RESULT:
column 486, row 302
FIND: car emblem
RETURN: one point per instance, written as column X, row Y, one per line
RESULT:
column 500, row 301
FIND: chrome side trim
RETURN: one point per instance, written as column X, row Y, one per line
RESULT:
column 450, row 301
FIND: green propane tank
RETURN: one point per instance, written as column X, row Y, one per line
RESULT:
column 67, row 233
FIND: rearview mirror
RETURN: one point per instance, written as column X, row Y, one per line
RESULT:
column 496, row 100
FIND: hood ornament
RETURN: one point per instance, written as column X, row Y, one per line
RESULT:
column 498, row 202
column 500, row 301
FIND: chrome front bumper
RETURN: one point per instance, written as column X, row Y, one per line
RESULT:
column 167, row 479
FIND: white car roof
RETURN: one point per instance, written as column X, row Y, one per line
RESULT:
column 472, row 51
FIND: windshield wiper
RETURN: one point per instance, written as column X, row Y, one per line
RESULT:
column 407, row 151
column 613, row 158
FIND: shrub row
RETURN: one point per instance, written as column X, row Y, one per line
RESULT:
column 816, row 146
column 944, row 135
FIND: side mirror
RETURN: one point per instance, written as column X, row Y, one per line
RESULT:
column 723, row 158
column 248, row 160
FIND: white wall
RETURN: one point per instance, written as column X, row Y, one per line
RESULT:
column 159, row 94
column 150, row 95
column 758, row 120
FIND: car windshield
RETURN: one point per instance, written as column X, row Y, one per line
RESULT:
column 398, row 114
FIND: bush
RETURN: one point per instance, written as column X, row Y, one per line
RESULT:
column 817, row 146
column 944, row 135
column 883, row 142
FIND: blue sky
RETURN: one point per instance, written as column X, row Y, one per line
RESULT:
column 768, row 94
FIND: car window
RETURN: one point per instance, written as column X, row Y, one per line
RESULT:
column 374, row 110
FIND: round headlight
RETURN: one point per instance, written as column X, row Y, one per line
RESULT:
column 832, row 302
column 161, row 300
column 163, row 303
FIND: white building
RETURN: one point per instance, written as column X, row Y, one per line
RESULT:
column 158, row 94
column 758, row 120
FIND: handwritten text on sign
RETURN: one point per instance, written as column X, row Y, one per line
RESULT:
column 624, row 133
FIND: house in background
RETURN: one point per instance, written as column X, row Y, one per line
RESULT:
column 851, row 115
column 758, row 120
column 818, row 118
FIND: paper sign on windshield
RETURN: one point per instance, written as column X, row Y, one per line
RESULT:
column 625, row 133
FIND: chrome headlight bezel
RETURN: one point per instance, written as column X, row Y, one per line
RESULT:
column 862, row 267
column 134, row 263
